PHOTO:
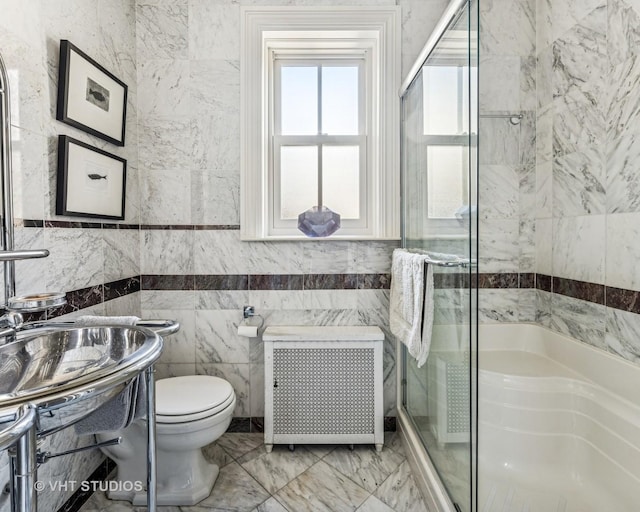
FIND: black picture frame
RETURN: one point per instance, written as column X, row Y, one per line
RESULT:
column 91, row 182
column 90, row 98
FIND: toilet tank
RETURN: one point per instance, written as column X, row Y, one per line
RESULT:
column 323, row 384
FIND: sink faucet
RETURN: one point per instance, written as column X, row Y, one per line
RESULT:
column 10, row 322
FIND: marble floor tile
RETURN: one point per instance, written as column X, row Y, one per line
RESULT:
column 237, row 444
column 393, row 441
column 400, row 491
column 322, row 489
column 276, row 469
column 313, row 478
column 271, row 505
column 234, row 491
column 364, row 465
column 215, row 454
column 373, row 504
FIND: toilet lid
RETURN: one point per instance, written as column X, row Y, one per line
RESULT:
column 193, row 394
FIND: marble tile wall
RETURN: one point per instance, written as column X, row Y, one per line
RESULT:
column 506, row 154
column 189, row 125
column 587, row 190
column 82, row 258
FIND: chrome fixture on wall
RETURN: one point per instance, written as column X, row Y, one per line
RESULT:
column 8, row 255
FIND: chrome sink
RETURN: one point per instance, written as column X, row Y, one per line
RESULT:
column 68, row 371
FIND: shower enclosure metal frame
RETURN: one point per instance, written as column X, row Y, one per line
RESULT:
column 433, row 488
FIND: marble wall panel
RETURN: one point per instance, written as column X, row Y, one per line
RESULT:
column 577, row 248
column 623, row 251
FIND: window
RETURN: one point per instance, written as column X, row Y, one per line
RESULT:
column 320, row 120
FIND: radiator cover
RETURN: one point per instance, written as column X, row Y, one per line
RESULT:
column 323, row 392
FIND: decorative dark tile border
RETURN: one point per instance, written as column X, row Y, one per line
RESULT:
column 266, row 282
column 527, row 280
column 39, row 223
column 544, row 282
column 80, row 497
column 579, row 290
column 625, row 300
column 256, row 424
column 506, row 280
column 330, row 281
column 276, row 282
column 221, row 282
column 93, row 295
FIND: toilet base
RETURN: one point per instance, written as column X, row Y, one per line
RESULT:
column 194, row 484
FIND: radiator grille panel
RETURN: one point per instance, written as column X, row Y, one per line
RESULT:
column 323, row 391
column 458, row 418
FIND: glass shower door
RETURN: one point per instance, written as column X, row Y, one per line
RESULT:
column 439, row 219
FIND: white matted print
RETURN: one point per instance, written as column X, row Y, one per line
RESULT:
column 91, row 182
column 90, row 97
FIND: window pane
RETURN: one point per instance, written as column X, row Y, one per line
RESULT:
column 340, row 100
column 447, row 180
column 442, row 104
column 341, row 180
column 299, row 100
column 298, row 180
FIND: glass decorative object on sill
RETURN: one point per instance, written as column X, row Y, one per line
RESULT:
column 318, row 222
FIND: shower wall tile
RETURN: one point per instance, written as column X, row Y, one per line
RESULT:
column 544, row 134
column 499, row 245
column 544, row 246
column 623, row 32
column 500, row 144
column 579, row 181
column 527, row 301
column 622, row 334
column 580, row 61
column 577, row 248
column 220, row 252
column 500, row 83
column 162, row 30
column 623, row 251
column 568, row 13
column 578, row 125
column 499, row 191
column 543, row 26
column 497, row 21
column 527, row 242
column 579, row 319
column 498, row 306
column 623, row 179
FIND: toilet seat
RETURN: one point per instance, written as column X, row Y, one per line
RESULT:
column 190, row 398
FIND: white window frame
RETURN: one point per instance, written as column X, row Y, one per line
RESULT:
column 332, row 32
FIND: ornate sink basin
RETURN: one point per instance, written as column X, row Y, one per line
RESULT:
column 68, row 371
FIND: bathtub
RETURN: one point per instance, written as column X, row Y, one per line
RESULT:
column 558, row 424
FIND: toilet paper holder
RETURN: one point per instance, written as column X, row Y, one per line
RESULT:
column 246, row 328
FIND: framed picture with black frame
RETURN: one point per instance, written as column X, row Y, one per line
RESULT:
column 90, row 98
column 91, row 182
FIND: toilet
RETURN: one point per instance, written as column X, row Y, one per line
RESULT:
column 191, row 412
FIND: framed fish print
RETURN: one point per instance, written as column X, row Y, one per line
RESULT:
column 91, row 182
column 90, row 97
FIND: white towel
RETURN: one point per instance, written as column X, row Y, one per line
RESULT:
column 411, row 304
column 91, row 320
